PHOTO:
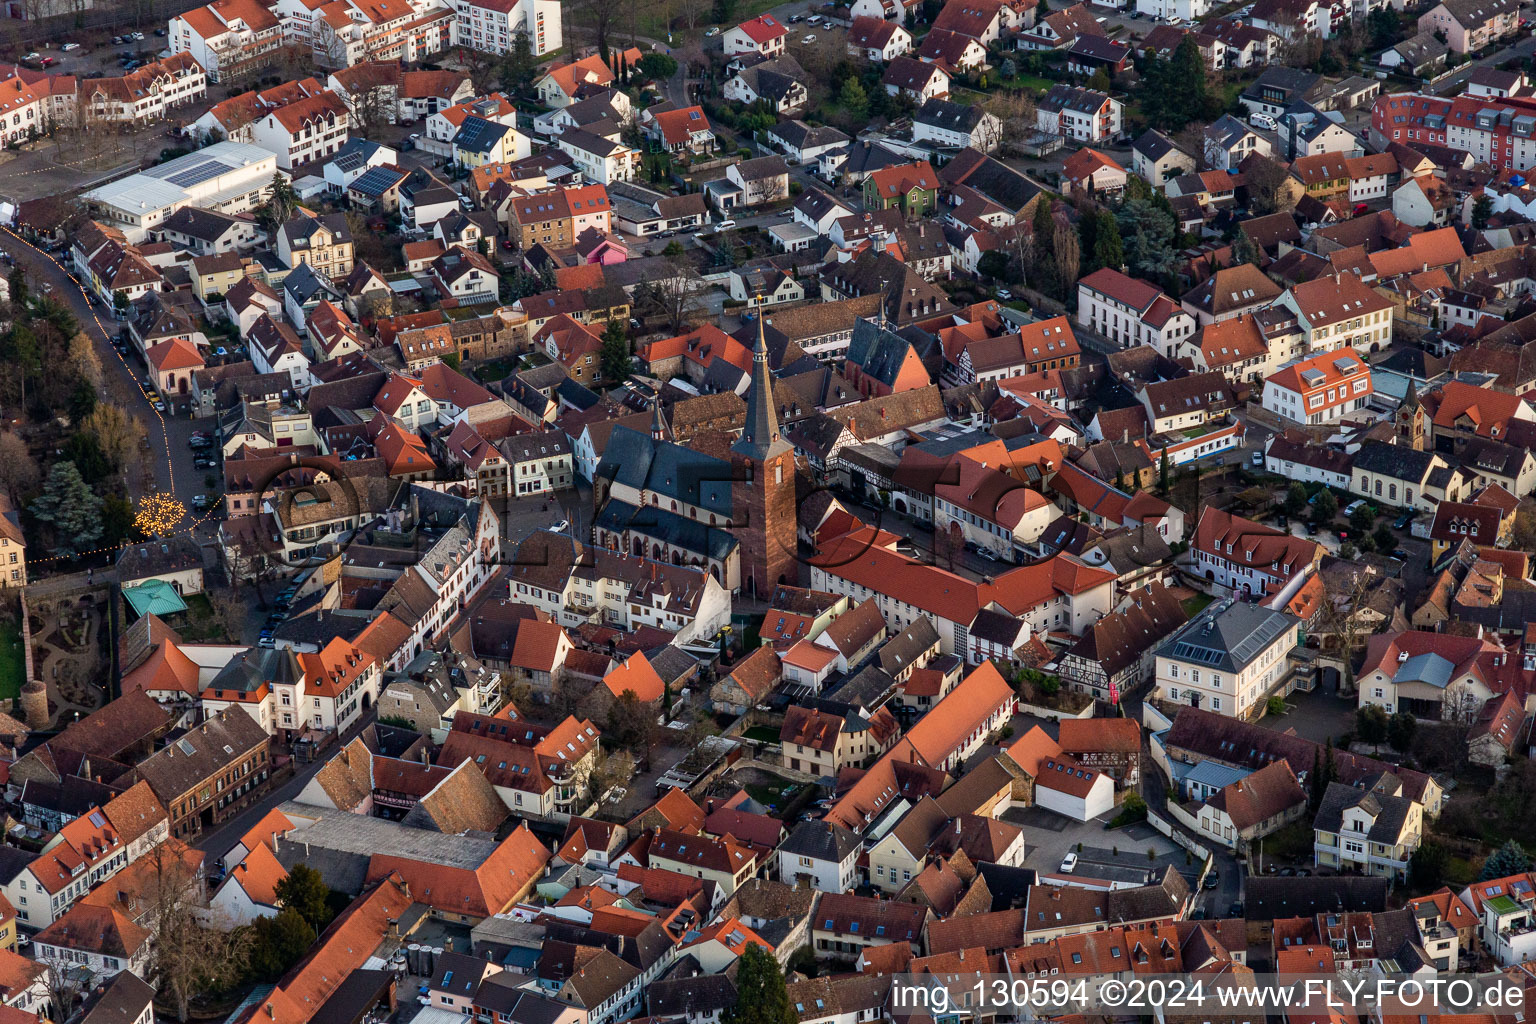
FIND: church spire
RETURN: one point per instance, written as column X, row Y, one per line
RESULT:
column 658, row 425
column 760, row 439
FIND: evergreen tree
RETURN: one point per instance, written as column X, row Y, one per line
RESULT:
column 71, row 508
column 1108, row 251
column 1482, row 209
column 1162, row 472
column 853, row 99
column 304, row 891
column 18, row 283
column 614, row 354
column 1315, row 783
column 761, row 997
column 1295, row 499
column 278, row 943
column 1509, row 859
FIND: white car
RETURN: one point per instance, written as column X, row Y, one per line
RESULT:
column 1264, row 121
column 713, row 31
column 1069, row 864
column 808, row 39
column 70, row 46
column 563, row 526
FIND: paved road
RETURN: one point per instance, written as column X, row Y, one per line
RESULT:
column 1521, row 48
column 217, row 842
column 123, row 377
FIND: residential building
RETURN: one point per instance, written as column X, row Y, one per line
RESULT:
column 1319, row 389
column 1372, row 829
column 1230, row 659
column 1077, row 113
column 1131, row 311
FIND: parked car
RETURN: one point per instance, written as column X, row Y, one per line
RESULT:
column 1264, row 121
column 160, row 32
column 1401, row 554
column 713, row 31
column 563, row 526
column 1069, row 864
column 1402, row 521
column 200, row 501
column 1005, row 294
column 808, row 38
column 1212, row 880
column 117, row 40
column 1258, row 459
column 67, row 47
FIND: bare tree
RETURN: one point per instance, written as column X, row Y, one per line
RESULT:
column 1344, row 595
column 598, row 16
column 66, row 981
column 18, row 471
column 676, row 298
column 190, row 953
column 83, row 359
column 116, row 432
column 1018, row 115
column 375, row 108
column 1265, row 178
column 610, row 769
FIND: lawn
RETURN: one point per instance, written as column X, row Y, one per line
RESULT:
column 1193, row 605
column 496, row 369
column 652, row 23
column 762, row 733
column 13, row 665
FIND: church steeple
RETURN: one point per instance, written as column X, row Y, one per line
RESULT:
column 658, row 425
column 760, row 439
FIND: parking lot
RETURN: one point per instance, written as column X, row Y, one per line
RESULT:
column 1118, row 855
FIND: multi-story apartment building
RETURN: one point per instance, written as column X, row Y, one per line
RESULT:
column 1077, row 113
column 13, row 547
column 557, row 217
column 578, row 585
column 1319, row 389
column 1373, row 830
column 347, row 32
column 145, row 93
column 1230, row 659
column 495, row 25
column 211, row 773
column 1249, row 558
column 282, row 691
column 230, row 39
column 1341, row 311
column 538, row 463
column 1505, row 921
column 1469, row 25
column 323, row 242
column 1132, row 312
column 306, row 130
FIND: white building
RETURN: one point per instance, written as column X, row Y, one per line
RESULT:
column 1319, row 389
column 229, row 177
column 1229, row 659
column 493, row 25
column 1132, row 312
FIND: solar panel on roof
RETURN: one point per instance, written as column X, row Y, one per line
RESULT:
column 197, row 175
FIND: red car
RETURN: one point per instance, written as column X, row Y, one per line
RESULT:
column 1361, row 209
column 49, row 61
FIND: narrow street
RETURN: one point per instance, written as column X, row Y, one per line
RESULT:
column 123, row 377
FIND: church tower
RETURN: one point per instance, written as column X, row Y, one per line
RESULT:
column 1410, row 420
column 763, row 493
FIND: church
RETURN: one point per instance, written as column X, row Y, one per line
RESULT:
column 727, row 505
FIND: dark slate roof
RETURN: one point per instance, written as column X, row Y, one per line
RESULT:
column 955, row 117
column 1273, row 898
column 670, row 470
column 820, row 840
column 1394, row 460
